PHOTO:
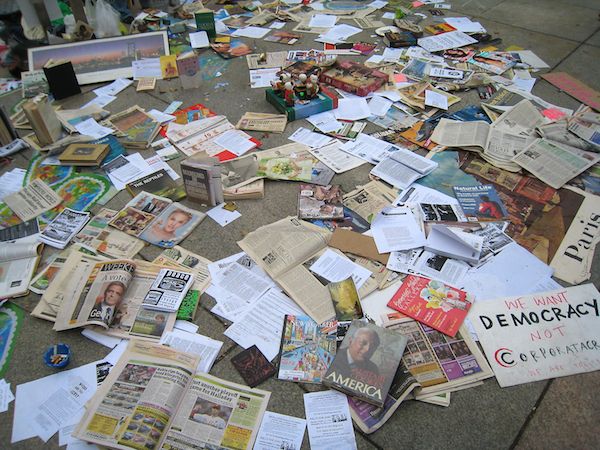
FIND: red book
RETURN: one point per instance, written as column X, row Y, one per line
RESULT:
column 433, row 303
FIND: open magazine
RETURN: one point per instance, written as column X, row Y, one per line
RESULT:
column 157, row 220
column 152, row 399
column 108, row 294
column 18, row 261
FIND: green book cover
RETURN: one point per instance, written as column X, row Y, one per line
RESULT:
column 188, row 306
column 205, row 21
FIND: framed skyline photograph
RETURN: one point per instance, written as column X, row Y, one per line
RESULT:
column 102, row 60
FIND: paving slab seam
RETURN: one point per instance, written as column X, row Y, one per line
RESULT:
column 532, row 31
column 575, row 49
column 475, row 1
column 155, row 96
column 531, row 414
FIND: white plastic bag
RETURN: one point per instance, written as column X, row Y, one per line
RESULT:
column 102, row 18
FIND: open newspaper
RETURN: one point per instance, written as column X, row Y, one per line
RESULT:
column 18, row 260
column 555, row 164
column 151, row 399
column 107, row 294
column 497, row 143
column 437, row 361
column 280, row 249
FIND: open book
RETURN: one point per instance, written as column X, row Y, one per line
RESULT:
column 18, row 261
column 91, row 291
column 402, row 168
column 152, row 399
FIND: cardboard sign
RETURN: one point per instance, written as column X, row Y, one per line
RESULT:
column 574, row 88
column 540, row 336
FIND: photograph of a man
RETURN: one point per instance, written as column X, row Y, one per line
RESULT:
column 357, row 354
column 108, row 302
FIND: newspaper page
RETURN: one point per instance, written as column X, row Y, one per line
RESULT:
column 184, row 259
column 558, row 131
column 95, row 297
column 452, row 133
column 52, row 267
column 63, row 227
column 555, row 164
column 572, row 261
column 274, row 123
column 33, row 200
column 62, row 282
column 438, row 362
column 135, row 404
column 368, row 200
column 280, row 249
column 337, row 160
column 18, row 260
column 522, row 119
column 216, row 413
column 370, row 418
column 108, row 241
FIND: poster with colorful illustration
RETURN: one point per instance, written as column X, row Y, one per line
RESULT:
column 11, row 318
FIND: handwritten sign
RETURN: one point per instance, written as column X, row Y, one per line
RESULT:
column 540, row 336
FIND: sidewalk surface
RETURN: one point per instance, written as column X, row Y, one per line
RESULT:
column 561, row 413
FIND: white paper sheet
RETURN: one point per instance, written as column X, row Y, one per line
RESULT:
column 379, row 106
column 322, row 21
column 235, row 142
column 146, row 68
column 11, row 182
column 197, row 344
column 325, row 121
column 251, row 32
column 199, row 39
column 92, row 128
column 396, row 229
column 186, row 326
column 6, row 395
column 160, row 116
column 436, row 100
column 352, row 109
column 262, row 322
column 305, row 136
column 279, row 431
column 101, row 101
column 261, row 78
column 444, row 41
column 222, row 216
column 321, row 408
column 101, row 338
column 334, row 268
column 113, row 88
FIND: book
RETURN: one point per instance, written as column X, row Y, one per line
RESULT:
column 168, row 66
column 189, row 305
column 205, row 21
column 320, row 202
column 18, row 262
column 157, row 220
column 189, row 70
column 480, row 203
column 168, row 290
column 43, row 119
column 202, row 180
column 62, row 81
column 85, row 154
column 454, row 243
column 137, row 127
column 307, row 349
column 158, row 183
column 442, row 307
column 354, row 77
column 366, row 363
column 253, row 366
column 225, row 414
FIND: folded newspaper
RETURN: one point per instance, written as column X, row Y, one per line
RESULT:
column 152, row 399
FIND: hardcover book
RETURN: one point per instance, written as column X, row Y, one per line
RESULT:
column 433, row 303
column 62, row 81
column 320, row 202
column 481, row 203
column 202, row 180
column 307, row 349
column 354, row 77
column 84, row 154
column 366, row 363
column 158, row 183
column 189, row 70
column 253, row 366
column 205, row 21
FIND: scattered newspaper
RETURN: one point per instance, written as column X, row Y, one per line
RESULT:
column 280, row 249
column 368, row 200
column 555, row 164
column 63, row 227
column 184, row 259
column 34, row 199
column 274, row 123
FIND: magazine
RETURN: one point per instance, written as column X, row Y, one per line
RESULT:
column 63, row 227
column 81, row 294
column 307, row 349
column 320, row 202
column 108, row 241
column 168, row 290
column 153, row 399
column 438, row 362
column 157, row 220
column 481, row 203
column 366, row 362
column 183, row 259
column 433, row 303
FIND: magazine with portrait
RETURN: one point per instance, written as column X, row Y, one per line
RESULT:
column 307, row 349
column 366, row 363
column 320, row 202
column 157, row 220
